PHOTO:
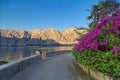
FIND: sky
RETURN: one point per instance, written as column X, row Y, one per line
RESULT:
column 39, row 14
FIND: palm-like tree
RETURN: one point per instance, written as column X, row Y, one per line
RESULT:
column 102, row 5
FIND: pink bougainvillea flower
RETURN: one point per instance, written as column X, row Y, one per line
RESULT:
column 108, row 24
column 103, row 44
column 115, row 49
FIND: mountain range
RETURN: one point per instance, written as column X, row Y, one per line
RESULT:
column 39, row 37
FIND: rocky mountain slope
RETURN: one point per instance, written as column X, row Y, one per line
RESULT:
column 39, row 37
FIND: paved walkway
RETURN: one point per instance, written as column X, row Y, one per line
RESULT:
column 58, row 67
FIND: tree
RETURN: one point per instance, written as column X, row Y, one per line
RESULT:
column 96, row 12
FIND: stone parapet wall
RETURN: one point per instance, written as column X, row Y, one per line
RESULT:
column 10, row 69
column 49, row 54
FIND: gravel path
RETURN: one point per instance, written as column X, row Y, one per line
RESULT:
column 57, row 67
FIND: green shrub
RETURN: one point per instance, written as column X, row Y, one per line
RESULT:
column 99, row 61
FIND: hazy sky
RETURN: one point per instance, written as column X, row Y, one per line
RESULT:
column 37, row 14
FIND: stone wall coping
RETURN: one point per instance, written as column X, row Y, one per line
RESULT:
column 14, row 62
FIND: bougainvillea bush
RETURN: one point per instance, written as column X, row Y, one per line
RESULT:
column 100, row 48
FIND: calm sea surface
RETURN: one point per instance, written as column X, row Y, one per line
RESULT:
column 16, row 53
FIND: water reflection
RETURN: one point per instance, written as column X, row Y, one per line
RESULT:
column 15, row 53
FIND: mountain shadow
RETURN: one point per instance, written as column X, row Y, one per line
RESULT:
column 21, row 42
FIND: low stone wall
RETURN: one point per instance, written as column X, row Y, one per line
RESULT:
column 49, row 54
column 95, row 75
column 10, row 69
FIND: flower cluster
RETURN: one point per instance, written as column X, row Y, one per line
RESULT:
column 102, row 13
column 103, row 43
column 107, row 25
column 116, row 11
column 116, row 49
column 106, row 12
